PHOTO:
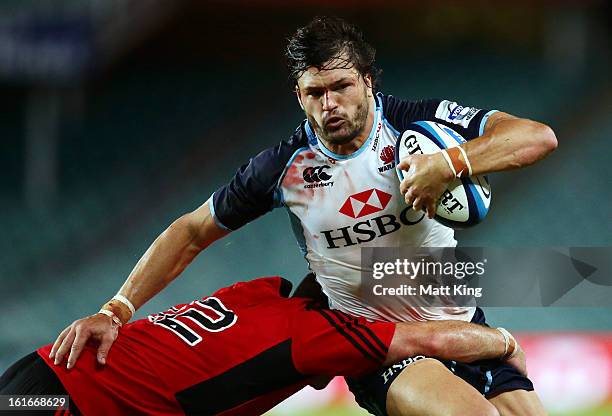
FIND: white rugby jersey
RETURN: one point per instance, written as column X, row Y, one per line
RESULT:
column 340, row 203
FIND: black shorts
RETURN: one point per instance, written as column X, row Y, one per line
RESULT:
column 32, row 376
column 489, row 377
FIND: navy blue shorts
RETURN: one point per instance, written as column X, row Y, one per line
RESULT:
column 489, row 377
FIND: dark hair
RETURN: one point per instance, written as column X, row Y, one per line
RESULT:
column 325, row 39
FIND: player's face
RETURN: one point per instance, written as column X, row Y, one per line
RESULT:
column 335, row 102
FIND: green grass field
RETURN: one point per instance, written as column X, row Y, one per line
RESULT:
column 602, row 411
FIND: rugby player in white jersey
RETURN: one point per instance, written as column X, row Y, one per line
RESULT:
column 335, row 176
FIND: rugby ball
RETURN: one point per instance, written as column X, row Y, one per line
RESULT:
column 466, row 201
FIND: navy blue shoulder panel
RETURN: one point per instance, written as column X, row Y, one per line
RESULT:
column 399, row 113
column 251, row 192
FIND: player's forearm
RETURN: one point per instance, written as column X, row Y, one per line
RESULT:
column 167, row 257
column 509, row 143
column 163, row 261
column 451, row 340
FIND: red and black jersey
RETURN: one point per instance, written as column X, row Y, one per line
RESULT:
column 237, row 352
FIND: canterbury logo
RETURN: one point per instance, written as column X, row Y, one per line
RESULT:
column 316, row 174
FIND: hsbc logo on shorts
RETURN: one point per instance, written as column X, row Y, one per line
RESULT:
column 391, row 372
column 365, row 204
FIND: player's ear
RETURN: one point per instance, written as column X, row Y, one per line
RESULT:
column 297, row 94
column 367, row 78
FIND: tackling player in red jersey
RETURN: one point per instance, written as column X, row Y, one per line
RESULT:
column 240, row 352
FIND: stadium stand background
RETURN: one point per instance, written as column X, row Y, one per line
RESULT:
column 119, row 116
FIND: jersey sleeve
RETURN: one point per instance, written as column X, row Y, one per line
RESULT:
column 465, row 120
column 253, row 191
column 332, row 343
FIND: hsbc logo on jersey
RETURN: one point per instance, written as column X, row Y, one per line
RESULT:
column 317, row 177
column 365, row 203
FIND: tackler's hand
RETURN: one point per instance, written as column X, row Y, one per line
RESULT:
column 519, row 361
column 98, row 327
column 425, row 179
column 513, row 353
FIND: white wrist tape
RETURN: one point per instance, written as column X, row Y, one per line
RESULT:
column 457, row 166
column 467, row 161
column 506, row 336
column 114, row 317
column 450, row 162
column 126, row 302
